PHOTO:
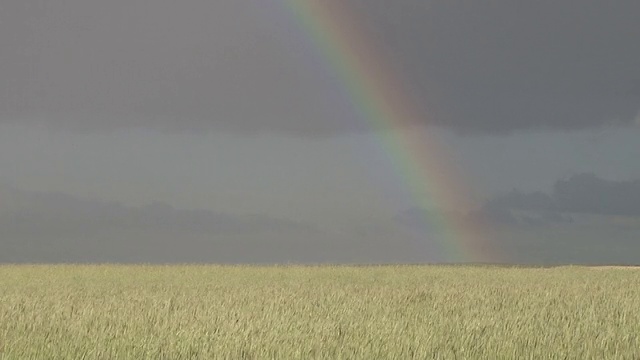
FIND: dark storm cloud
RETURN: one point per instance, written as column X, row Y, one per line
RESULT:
column 476, row 66
column 498, row 66
column 581, row 194
column 588, row 194
column 522, row 208
column 584, row 194
column 584, row 220
column 505, row 210
column 525, row 229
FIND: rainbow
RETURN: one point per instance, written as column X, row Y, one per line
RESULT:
column 376, row 90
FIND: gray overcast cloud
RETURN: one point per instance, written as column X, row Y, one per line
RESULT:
column 480, row 66
column 216, row 131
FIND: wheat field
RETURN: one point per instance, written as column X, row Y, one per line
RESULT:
column 318, row 312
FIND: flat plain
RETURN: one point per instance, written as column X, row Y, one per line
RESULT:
column 318, row 312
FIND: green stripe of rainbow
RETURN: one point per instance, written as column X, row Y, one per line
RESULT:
column 381, row 98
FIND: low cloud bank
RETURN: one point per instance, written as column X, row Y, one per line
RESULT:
column 582, row 194
column 54, row 227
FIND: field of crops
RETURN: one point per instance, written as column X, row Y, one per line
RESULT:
column 329, row 312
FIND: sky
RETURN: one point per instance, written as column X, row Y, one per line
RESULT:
column 224, row 131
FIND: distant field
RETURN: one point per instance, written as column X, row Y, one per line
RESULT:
column 296, row 312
